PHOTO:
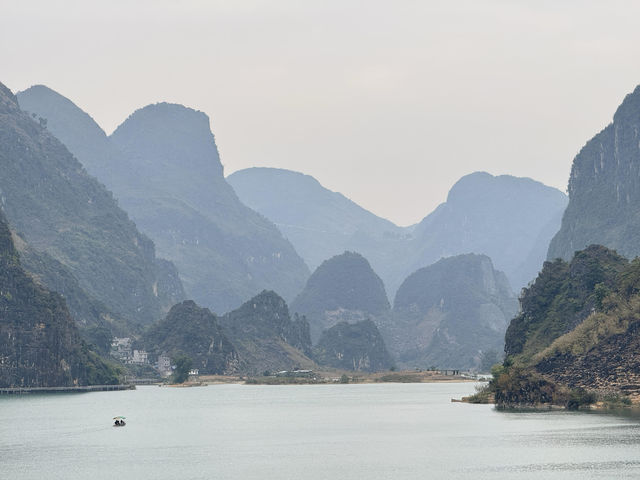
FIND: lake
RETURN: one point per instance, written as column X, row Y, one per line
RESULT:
column 308, row 432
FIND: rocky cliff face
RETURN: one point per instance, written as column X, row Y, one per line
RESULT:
column 357, row 346
column 163, row 165
column 450, row 314
column 611, row 366
column 266, row 337
column 604, row 190
column 343, row 288
column 39, row 343
column 60, row 210
column 193, row 331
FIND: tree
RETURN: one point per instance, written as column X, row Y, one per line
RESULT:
column 183, row 366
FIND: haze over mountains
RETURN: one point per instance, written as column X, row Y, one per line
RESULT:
column 318, row 222
column 509, row 219
column 39, row 341
column 451, row 313
column 163, row 165
column 343, row 289
column 65, row 214
column 452, row 275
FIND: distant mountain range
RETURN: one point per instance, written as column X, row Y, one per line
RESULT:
column 163, row 165
column 318, row 222
column 509, row 219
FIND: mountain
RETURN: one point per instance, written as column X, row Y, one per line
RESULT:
column 563, row 295
column 163, row 166
column 510, row 219
column 96, row 323
column 266, row 337
column 318, row 222
column 193, row 331
column 604, row 191
column 60, row 210
column 39, row 342
column 506, row 218
column 577, row 338
column 451, row 314
column 343, row 288
column 353, row 346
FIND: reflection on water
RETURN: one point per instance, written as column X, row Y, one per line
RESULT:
column 400, row 431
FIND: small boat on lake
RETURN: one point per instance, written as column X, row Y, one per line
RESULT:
column 119, row 421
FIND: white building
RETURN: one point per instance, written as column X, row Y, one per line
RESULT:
column 140, row 356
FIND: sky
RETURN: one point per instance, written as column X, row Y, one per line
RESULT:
column 388, row 102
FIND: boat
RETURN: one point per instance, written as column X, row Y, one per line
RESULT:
column 119, row 421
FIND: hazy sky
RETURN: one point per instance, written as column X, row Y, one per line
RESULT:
column 388, row 102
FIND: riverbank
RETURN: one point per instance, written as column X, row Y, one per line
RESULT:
column 75, row 389
column 333, row 377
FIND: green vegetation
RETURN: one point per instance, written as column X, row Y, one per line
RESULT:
column 400, row 378
column 193, row 331
column 39, row 342
column 452, row 313
column 183, row 367
column 63, row 211
column 266, row 337
column 563, row 295
column 576, row 340
column 343, row 288
column 357, row 347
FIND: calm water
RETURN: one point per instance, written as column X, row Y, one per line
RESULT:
column 305, row 432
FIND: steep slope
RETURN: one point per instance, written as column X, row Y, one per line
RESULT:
column 163, row 165
column 503, row 217
column 193, row 331
column 318, row 222
column 266, row 337
column 59, row 209
column 451, row 313
column 171, row 182
column 96, row 323
column 604, row 190
column 353, row 346
column 562, row 296
column 73, row 127
column 577, row 338
column 39, row 343
column 343, row 288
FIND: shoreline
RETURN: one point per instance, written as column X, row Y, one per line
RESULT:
column 75, row 389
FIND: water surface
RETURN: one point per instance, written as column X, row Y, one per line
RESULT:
column 309, row 432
